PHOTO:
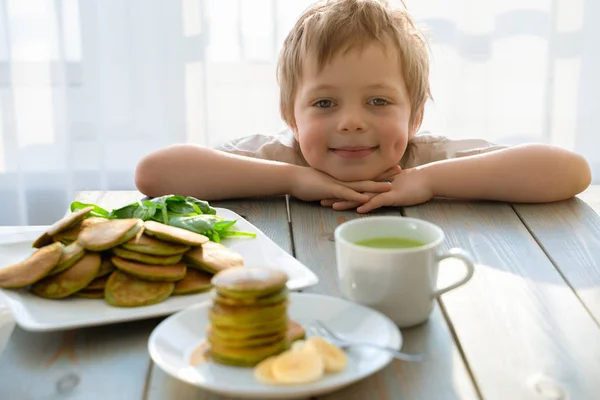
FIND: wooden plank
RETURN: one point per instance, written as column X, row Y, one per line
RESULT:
column 569, row 233
column 591, row 196
column 79, row 363
column 84, row 363
column 523, row 331
column 443, row 375
column 271, row 217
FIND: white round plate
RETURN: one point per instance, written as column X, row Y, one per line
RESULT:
column 174, row 339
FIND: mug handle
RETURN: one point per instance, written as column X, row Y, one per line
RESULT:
column 465, row 257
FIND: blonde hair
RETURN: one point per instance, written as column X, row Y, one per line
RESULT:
column 333, row 26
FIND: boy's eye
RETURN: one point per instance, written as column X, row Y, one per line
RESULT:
column 323, row 104
column 378, row 102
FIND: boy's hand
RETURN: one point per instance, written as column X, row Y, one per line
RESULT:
column 309, row 184
column 387, row 176
column 409, row 187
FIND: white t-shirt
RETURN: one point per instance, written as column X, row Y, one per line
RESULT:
column 422, row 149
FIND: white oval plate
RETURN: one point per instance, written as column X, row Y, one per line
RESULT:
column 174, row 339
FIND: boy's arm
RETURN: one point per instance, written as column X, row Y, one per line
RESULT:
column 526, row 173
column 191, row 170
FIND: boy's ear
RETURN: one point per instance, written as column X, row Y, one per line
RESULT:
column 294, row 130
column 417, row 122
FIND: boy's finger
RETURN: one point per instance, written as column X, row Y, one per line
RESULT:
column 344, row 205
column 370, row 186
column 378, row 201
column 345, row 193
column 395, row 170
column 328, row 202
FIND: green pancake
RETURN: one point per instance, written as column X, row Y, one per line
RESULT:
column 264, row 328
column 174, row 272
column 68, row 221
column 174, row 234
column 194, row 282
column 33, row 268
column 214, row 338
column 246, row 282
column 106, row 267
column 70, row 255
column 69, row 281
column 90, row 294
column 146, row 258
column 100, row 237
column 213, row 257
column 124, row 290
column 71, row 234
column 148, row 245
column 66, row 242
column 62, row 224
column 43, row 240
column 247, row 316
column 68, row 236
column 245, row 356
column 270, row 299
column 97, row 284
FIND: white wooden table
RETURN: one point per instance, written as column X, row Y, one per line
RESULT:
column 525, row 327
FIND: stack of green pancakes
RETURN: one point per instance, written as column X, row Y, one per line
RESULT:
column 248, row 319
column 128, row 262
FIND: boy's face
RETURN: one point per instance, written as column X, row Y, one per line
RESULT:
column 352, row 117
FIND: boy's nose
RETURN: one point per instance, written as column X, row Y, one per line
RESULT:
column 352, row 120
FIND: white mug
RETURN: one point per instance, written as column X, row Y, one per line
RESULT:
column 399, row 282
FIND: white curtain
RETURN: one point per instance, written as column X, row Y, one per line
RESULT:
column 89, row 86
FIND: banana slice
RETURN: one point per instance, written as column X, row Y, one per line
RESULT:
column 263, row 371
column 298, row 367
column 334, row 358
column 298, row 345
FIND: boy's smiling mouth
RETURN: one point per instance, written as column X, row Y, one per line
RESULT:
column 353, row 151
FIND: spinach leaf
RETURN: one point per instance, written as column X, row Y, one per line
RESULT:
column 144, row 210
column 96, row 212
column 203, row 205
column 161, row 204
column 195, row 223
column 179, row 205
column 162, row 200
column 125, row 212
column 237, row 233
column 130, row 211
column 223, row 225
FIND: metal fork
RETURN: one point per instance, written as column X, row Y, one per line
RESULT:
column 324, row 331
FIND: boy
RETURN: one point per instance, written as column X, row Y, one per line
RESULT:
column 353, row 78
